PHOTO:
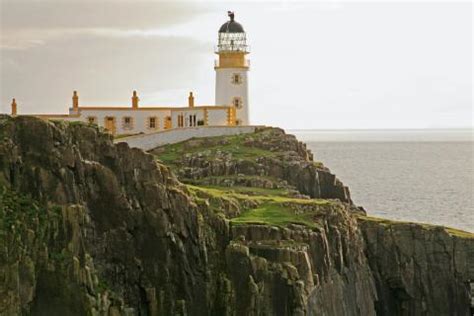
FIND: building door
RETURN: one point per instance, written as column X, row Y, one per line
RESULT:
column 110, row 124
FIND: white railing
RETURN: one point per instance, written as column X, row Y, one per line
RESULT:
column 228, row 48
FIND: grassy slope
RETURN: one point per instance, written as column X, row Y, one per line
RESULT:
column 268, row 207
column 390, row 223
column 271, row 205
column 233, row 145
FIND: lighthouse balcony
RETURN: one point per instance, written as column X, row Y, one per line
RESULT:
column 232, row 48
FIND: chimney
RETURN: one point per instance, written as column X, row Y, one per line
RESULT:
column 75, row 101
column 14, row 107
column 191, row 100
column 135, row 100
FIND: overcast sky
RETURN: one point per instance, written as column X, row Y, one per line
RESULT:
column 319, row 65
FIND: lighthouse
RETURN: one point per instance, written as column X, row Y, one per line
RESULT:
column 232, row 68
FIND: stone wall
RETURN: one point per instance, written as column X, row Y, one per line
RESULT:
column 153, row 140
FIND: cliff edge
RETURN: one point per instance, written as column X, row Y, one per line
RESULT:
column 237, row 225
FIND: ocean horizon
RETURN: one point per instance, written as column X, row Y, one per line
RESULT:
column 393, row 135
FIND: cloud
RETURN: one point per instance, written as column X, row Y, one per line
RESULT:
column 27, row 24
column 94, row 14
column 104, row 69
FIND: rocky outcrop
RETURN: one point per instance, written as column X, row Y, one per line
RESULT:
column 419, row 270
column 93, row 228
column 268, row 152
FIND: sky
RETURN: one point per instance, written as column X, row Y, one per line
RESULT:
column 314, row 64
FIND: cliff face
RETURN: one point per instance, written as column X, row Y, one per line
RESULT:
column 269, row 158
column 88, row 227
column 419, row 270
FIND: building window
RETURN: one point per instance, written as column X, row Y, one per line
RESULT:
column 192, row 120
column 237, row 102
column 127, row 123
column 152, row 122
column 237, row 78
column 92, row 120
column 181, row 120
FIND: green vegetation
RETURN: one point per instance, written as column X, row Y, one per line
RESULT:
column 389, row 222
column 267, row 208
column 274, row 214
column 232, row 193
column 240, row 203
column 125, row 135
column 212, row 147
column 22, row 219
column 18, row 210
column 251, row 191
column 459, row 233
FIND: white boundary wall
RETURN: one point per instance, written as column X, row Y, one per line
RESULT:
column 176, row 135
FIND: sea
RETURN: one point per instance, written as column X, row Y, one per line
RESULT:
column 424, row 176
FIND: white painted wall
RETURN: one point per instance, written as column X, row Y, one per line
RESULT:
column 217, row 118
column 226, row 90
column 140, row 119
column 172, row 136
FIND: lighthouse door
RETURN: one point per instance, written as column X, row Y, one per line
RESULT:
column 110, row 124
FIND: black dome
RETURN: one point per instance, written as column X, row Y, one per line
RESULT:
column 231, row 27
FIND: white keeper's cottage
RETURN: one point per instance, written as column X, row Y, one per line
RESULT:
column 231, row 97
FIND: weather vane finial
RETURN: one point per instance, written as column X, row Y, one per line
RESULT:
column 231, row 15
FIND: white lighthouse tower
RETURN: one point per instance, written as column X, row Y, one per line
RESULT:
column 232, row 68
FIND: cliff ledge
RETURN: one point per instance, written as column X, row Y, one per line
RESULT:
column 237, row 225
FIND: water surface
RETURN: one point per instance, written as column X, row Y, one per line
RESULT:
column 422, row 176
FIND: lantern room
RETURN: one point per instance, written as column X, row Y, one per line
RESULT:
column 232, row 37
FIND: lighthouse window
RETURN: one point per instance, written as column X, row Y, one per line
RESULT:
column 127, row 123
column 237, row 102
column 236, row 78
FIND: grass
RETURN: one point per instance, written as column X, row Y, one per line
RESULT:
column 268, row 208
column 119, row 136
column 251, row 191
column 273, row 214
column 257, row 205
column 459, row 233
column 388, row 222
column 233, row 145
column 216, row 191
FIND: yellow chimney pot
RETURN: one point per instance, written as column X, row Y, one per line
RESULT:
column 14, row 107
column 191, row 100
column 75, row 101
column 135, row 100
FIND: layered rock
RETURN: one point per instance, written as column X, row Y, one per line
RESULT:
column 89, row 227
column 419, row 269
column 269, row 152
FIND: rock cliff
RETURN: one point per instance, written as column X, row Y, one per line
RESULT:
column 249, row 225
